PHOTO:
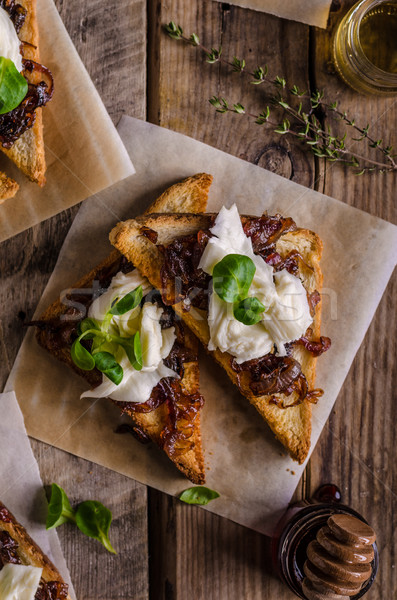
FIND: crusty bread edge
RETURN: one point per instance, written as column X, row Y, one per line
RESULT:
column 190, row 193
column 148, row 259
column 28, row 151
column 28, row 551
column 8, row 187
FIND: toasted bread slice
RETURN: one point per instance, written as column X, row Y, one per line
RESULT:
column 8, row 187
column 194, row 192
column 28, row 151
column 27, row 551
column 291, row 425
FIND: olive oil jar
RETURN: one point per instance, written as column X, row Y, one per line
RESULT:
column 365, row 47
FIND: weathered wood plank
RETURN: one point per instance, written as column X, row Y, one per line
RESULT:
column 111, row 40
column 97, row 574
column 216, row 558
column 186, row 82
column 357, row 446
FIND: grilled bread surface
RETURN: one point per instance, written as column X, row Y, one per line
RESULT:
column 8, row 187
column 193, row 192
column 292, row 425
column 28, row 151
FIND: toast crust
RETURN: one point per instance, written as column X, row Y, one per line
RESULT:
column 192, row 192
column 8, row 187
column 28, row 150
column 28, row 551
column 292, row 425
column 190, row 463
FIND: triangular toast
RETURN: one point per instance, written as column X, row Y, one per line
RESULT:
column 193, row 192
column 25, row 551
column 291, row 425
column 28, row 151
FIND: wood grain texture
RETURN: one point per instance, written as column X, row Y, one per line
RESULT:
column 111, row 40
column 181, row 82
column 186, row 551
column 215, row 558
column 357, row 447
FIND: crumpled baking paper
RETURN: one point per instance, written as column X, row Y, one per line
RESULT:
column 83, row 150
column 21, row 488
column 245, row 464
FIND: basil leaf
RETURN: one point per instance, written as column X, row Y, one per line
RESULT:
column 107, row 364
column 81, row 357
column 249, row 311
column 133, row 350
column 232, row 277
column 128, row 302
column 59, row 509
column 13, row 86
column 198, row 495
column 87, row 324
column 94, row 519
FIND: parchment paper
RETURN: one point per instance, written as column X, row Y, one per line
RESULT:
column 312, row 12
column 21, row 488
column 83, row 150
column 245, row 464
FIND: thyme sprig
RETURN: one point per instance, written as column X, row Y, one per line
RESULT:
column 302, row 120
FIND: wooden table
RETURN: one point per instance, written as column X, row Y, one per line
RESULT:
column 168, row 550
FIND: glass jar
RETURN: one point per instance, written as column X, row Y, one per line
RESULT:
column 365, row 47
column 299, row 526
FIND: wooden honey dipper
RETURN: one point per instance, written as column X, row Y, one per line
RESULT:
column 338, row 561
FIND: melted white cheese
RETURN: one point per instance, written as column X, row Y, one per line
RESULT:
column 136, row 386
column 9, row 41
column 287, row 314
column 19, row 582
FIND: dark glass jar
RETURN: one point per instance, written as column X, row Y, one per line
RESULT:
column 299, row 526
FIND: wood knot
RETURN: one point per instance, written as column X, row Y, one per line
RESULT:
column 276, row 159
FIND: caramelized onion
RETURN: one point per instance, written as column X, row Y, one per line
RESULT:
column 264, row 231
column 52, row 590
column 271, row 374
column 8, row 549
column 5, row 515
column 314, row 395
column 149, row 233
column 180, row 276
column 14, row 123
column 40, row 86
column 315, row 347
column 16, row 11
column 313, row 299
column 183, row 281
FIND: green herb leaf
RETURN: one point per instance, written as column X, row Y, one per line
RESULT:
column 174, row 31
column 194, row 39
column 108, row 365
column 239, row 108
column 198, row 495
column 249, row 311
column 59, row 509
column 13, row 86
column 232, row 277
column 133, row 349
column 81, row 357
column 89, row 324
column 94, row 519
column 128, row 302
